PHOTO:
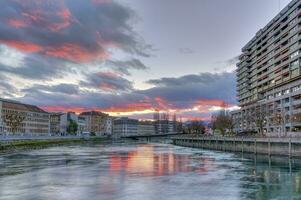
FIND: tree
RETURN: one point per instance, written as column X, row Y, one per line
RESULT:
column 222, row 122
column 196, row 126
column 259, row 117
column 279, row 119
column 13, row 120
column 72, row 127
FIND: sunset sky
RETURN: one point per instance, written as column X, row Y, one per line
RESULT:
column 127, row 57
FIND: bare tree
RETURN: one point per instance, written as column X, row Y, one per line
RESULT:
column 279, row 119
column 196, row 126
column 13, row 120
column 222, row 122
column 259, row 116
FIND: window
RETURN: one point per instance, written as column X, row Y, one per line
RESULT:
column 295, row 64
column 296, row 88
column 295, row 54
column 294, row 72
column 287, row 91
column 292, row 22
column 294, row 29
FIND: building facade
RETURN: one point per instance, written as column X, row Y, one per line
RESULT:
column 125, row 127
column 109, row 126
column 32, row 120
column 146, row 128
column 96, row 122
column 163, row 124
column 268, row 77
column 55, row 119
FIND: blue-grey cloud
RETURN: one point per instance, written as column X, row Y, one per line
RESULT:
column 125, row 66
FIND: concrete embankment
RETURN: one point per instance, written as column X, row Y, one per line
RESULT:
column 267, row 146
column 17, row 145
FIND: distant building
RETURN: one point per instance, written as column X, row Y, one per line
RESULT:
column 55, row 119
column 163, row 124
column 96, row 122
column 82, row 125
column 36, row 121
column 65, row 120
column 125, row 127
column 59, row 123
column 146, row 128
column 109, row 126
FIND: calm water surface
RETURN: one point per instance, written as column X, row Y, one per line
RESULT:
column 143, row 172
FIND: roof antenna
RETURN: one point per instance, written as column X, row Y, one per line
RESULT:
column 279, row 5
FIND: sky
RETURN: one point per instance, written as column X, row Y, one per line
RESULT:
column 127, row 57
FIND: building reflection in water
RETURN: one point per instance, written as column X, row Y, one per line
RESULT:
column 144, row 161
column 271, row 180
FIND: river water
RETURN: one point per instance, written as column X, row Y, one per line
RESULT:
column 143, row 172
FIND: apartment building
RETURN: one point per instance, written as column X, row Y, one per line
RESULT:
column 146, row 128
column 96, row 122
column 268, row 77
column 55, row 119
column 31, row 119
column 125, row 127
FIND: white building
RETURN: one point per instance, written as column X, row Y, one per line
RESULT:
column 146, row 128
column 109, row 126
column 35, row 122
column 124, row 126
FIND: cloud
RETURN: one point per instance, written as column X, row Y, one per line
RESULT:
column 73, row 30
column 6, row 89
column 107, row 81
column 227, row 65
column 186, row 50
column 36, row 67
column 124, row 67
column 113, row 93
column 63, row 88
column 188, row 89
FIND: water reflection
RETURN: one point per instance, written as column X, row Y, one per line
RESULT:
column 272, row 178
column 144, row 161
column 135, row 172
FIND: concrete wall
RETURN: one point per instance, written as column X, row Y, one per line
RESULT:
column 272, row 146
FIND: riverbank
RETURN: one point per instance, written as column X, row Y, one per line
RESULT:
column 266, row 146
column 19, row 145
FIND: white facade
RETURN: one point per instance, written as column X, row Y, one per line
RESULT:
column 109, row 126
column 36, row 121
column 125, row 127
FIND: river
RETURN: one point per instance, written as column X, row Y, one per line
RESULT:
column 142, row 172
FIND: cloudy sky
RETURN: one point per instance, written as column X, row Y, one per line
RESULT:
column 126, row 57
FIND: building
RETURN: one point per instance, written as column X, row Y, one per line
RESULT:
column 65, row 119
column 146, row 128
column 96, row 122
column 125, row 127
column 55, row 119
column 268, row 77
column 32, row 120
column 163, row 124
column 109, row 126
column 59, row 123
column 82, row 125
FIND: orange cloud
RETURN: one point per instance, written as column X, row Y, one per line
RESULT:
column 75, row 53
column 16, row 23
column 107, row 87
column 22, row 45
column 210, row 102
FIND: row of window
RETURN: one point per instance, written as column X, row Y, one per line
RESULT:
column 284, row 92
